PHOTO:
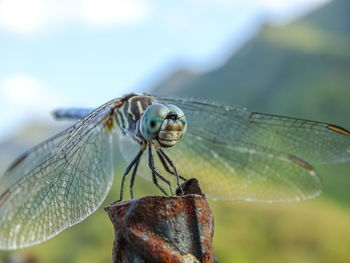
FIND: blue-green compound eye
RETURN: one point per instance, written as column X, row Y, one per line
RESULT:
column 152, row 119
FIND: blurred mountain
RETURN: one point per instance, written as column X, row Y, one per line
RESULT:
column 301, row 69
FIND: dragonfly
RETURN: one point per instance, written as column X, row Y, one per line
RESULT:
column 234, row 153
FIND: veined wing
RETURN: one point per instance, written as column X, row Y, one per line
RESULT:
column 313, row 141
column 239, row 171
column 57, row 183
column 234, row 171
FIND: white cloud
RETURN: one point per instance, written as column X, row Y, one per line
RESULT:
column 23, row 90
column 273, row 5
column 114, row 11
column 22, row 16
column 279, row 11
column 24, row 98
column 278, row 5
column 282, row 12
column 32, row 16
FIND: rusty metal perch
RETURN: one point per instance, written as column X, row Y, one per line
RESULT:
column 159, row 229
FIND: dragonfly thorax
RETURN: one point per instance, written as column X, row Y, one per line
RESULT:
column 163, row 125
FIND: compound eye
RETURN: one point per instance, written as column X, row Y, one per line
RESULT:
column 152, row 119
column 181, row 116
column 176, row 109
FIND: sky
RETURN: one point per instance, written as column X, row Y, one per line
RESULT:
column 82, row 53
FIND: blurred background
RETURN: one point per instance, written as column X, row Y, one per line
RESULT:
column 281, row 57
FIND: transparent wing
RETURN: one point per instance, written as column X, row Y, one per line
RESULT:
column 237, row 171
column 239, row 155
column 313, row 141
column 57, row 183
column 234, row 171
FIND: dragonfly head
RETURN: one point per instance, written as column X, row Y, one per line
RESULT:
column 164, row 124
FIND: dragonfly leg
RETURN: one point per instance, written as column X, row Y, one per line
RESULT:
column 164, row 159
column 132, row 179
column 127, row 170
column 155, row 181
column 162, row 156
column 155, row 174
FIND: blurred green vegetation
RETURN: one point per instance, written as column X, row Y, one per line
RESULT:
column 300, row 70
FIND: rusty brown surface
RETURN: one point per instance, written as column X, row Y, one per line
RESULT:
column 191, row 186
column 163, row 229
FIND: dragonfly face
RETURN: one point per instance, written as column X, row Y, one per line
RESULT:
column 249, row 156
column 164, row 125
